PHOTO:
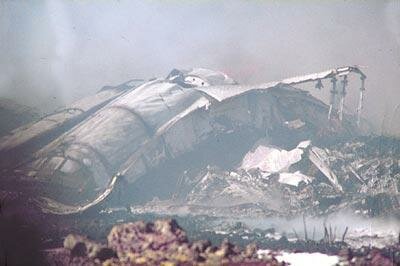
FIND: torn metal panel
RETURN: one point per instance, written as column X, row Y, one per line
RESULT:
column 294, row 179
column 320, row 159
column 224, row 92
column 272, row 160
column 310, row 77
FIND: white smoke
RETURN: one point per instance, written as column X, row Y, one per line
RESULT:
column 54, row 52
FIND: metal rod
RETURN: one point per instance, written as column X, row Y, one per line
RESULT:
column 342, row 96
column 333, row 97
column 360, row 100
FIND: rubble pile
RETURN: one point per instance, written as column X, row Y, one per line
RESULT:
column 369, row 168
column 163, row 242
column 371, row 256
column 360, row 175
column 160, row 243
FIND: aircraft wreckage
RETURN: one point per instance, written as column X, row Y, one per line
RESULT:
column 168, row 139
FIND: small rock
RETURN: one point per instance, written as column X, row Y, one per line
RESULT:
column 81, row 246
column 201, row 245
column 105, row 254
column 79, row 250
column 250, row 250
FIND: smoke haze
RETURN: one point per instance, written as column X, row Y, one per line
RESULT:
column 54, row 52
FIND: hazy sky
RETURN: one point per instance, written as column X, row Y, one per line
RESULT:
column 53, row 52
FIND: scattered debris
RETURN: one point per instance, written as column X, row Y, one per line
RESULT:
column 271, row 181
column 319, row 158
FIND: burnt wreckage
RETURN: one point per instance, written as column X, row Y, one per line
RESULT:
column 198, row 139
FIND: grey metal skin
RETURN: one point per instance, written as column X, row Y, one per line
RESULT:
column 16, row 147
column 160, row 121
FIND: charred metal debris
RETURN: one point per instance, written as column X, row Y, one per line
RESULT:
column 198, row 138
